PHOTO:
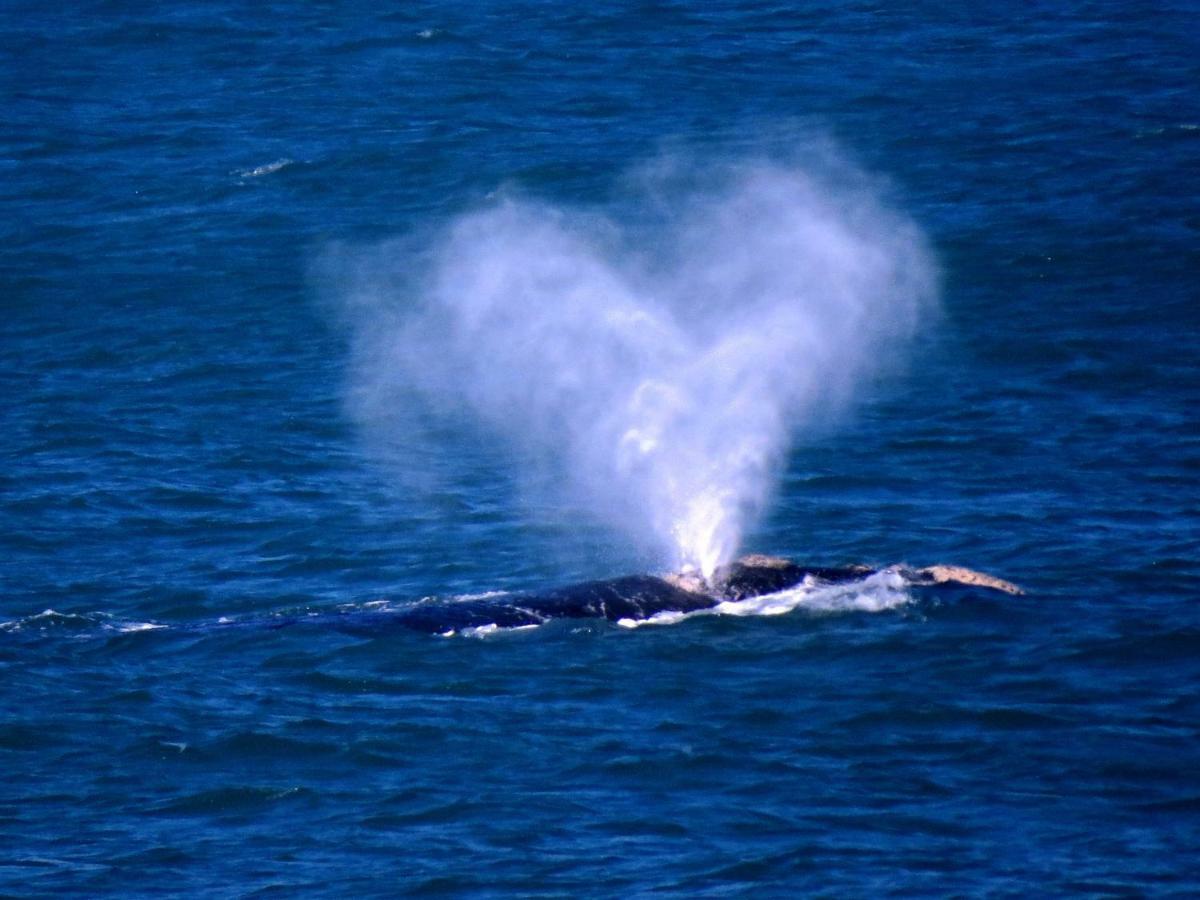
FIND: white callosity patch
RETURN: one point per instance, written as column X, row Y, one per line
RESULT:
column 661, row 365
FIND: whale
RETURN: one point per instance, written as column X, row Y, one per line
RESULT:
column 627, row 601
column 640, row 597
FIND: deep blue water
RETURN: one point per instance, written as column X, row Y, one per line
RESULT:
column 177, row 448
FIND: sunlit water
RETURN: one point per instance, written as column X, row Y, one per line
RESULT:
column 190, row 506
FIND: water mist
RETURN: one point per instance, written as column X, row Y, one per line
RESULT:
column 660, row 355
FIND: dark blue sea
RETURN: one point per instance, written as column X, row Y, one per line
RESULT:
column 224, row 463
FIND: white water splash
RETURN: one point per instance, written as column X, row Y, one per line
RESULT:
column 880, row 592
column 658, row 361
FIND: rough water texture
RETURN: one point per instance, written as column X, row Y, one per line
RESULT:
column 182, row 445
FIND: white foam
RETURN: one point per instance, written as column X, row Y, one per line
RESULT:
column 663, row 618
column 879, row 592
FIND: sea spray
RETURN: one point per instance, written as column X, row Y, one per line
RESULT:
column 659, row 356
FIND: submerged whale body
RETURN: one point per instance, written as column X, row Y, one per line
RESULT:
column 640, row 597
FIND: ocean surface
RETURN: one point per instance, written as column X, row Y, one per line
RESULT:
column 193, row 500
